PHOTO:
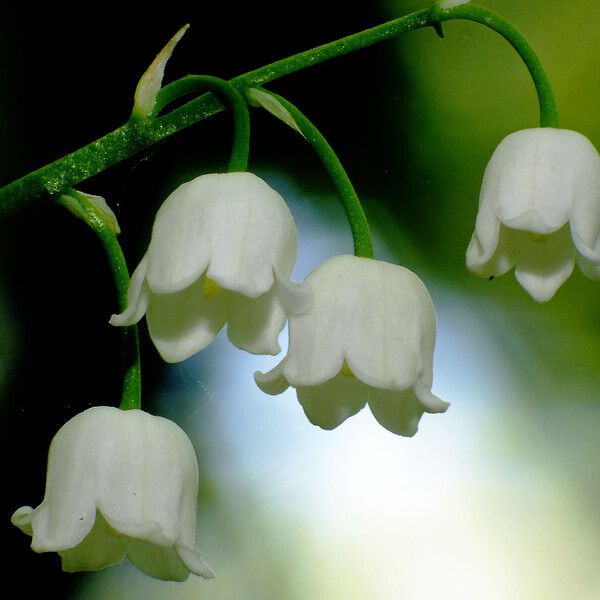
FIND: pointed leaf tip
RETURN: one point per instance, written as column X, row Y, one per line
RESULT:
column 79, row 204
column 151, row 81
column 258, row 97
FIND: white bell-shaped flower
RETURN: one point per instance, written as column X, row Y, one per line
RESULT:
column 539, row 210
column 119, row 482
column 222, row 250
column 368, row 338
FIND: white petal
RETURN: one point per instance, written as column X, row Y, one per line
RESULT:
column 331, row 403
column 254, row 324
column 591, row 253
column 393, row 337
column 99, row 549
column 532, row 180
column 397, row 411
column 183, row 323
column 431, row 403
column 589, row 268
column 497, row 260
column 400, row 411
column 194, row 562
column 234, row 224
column 21, row 518
column 543, row 266
column 484, row 242
column 296, row 297
column 161, row 562
column 138, row 295
column 585, row 218
column 151, row 495
column 273, row 382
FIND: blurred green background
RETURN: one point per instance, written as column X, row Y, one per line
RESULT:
column 496, row 499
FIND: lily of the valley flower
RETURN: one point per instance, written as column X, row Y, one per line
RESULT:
column 368, row 338
column 539, row 210
column 222, row 251
column 119, row 482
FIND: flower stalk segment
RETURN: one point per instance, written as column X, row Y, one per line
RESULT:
column 138, row 134
column 94, row 211
column 484, row 16
column 293, row 116
column 192, row 84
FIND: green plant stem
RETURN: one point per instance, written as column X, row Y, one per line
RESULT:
column 361, row 235
column 478, row 14
column 137, row 134
column 132, row 383
column 192, row 84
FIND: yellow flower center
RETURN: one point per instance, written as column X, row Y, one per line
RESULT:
column 346, row 370
column 210, row 288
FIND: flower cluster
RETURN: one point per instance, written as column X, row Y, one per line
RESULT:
column 222, row 251
column 361, row 331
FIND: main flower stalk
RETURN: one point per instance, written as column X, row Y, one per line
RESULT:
column 136, row 135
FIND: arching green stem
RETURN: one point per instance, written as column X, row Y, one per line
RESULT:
column 192, row 84
column 138, row 134
column 103, row 223
column 361, row 235
column 484, row 16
